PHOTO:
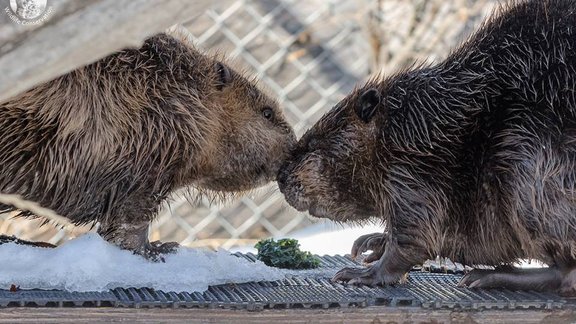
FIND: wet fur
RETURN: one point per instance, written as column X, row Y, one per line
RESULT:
column 473, row 158
column 110, row 141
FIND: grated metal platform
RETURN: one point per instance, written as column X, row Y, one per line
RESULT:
column 423, row 289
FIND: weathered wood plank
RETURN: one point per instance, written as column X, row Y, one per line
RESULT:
column 78, row 33
column 353, row 315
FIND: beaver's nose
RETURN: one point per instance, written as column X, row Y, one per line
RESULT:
column 292, row 141
column 283, row 174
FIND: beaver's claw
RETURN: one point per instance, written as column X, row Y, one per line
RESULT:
column 372, row 275
column 375, row 242
column 134, row 237
column 154, row 251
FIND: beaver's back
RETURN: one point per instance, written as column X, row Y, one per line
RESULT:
column 515, row 179
column 84, row 142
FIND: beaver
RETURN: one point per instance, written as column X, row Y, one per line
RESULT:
column 472, row 158
column 110, row 141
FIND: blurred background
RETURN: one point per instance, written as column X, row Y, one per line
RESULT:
column 309, row 54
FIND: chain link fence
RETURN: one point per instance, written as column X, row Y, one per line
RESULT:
column 309, row 54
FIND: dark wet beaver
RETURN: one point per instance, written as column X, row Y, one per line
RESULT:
column 473, row 158
column 110, row 141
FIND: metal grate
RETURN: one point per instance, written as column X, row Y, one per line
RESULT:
column 423, row 289
column 56, row 298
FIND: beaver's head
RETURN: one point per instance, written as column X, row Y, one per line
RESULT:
column 235, row 136
column 253, row 137
column 331, row 171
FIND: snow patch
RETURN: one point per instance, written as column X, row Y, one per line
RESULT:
column 89, row 263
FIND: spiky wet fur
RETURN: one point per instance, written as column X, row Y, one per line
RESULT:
column 473, row 158
column 110, row 141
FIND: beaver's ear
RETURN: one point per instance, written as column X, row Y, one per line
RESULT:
column 223, row 74
column 368, row 104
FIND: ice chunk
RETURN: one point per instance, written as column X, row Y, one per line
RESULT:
column 88, row 263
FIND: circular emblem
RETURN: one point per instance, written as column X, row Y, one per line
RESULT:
column 28, row 9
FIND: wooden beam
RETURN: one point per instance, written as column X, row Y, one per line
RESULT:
column 76, row 33
column 378, row 314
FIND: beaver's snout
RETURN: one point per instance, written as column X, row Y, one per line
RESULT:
column 283, row 178
column 283, row 174
column 288, row 163
column 290, row 186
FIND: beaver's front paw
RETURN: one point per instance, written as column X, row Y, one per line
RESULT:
column 375, row 242
column 372, row 275
column 154, row 251
column 134, row 237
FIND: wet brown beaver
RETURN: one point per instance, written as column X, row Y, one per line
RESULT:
column 473, row 158
column 110, row 141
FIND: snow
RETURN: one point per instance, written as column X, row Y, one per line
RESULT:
column 88, row 263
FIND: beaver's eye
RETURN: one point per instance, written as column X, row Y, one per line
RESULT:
column 224, row 75
column 268, row 113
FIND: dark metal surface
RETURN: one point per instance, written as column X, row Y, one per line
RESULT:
column 55, row 298
column 423, row 289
